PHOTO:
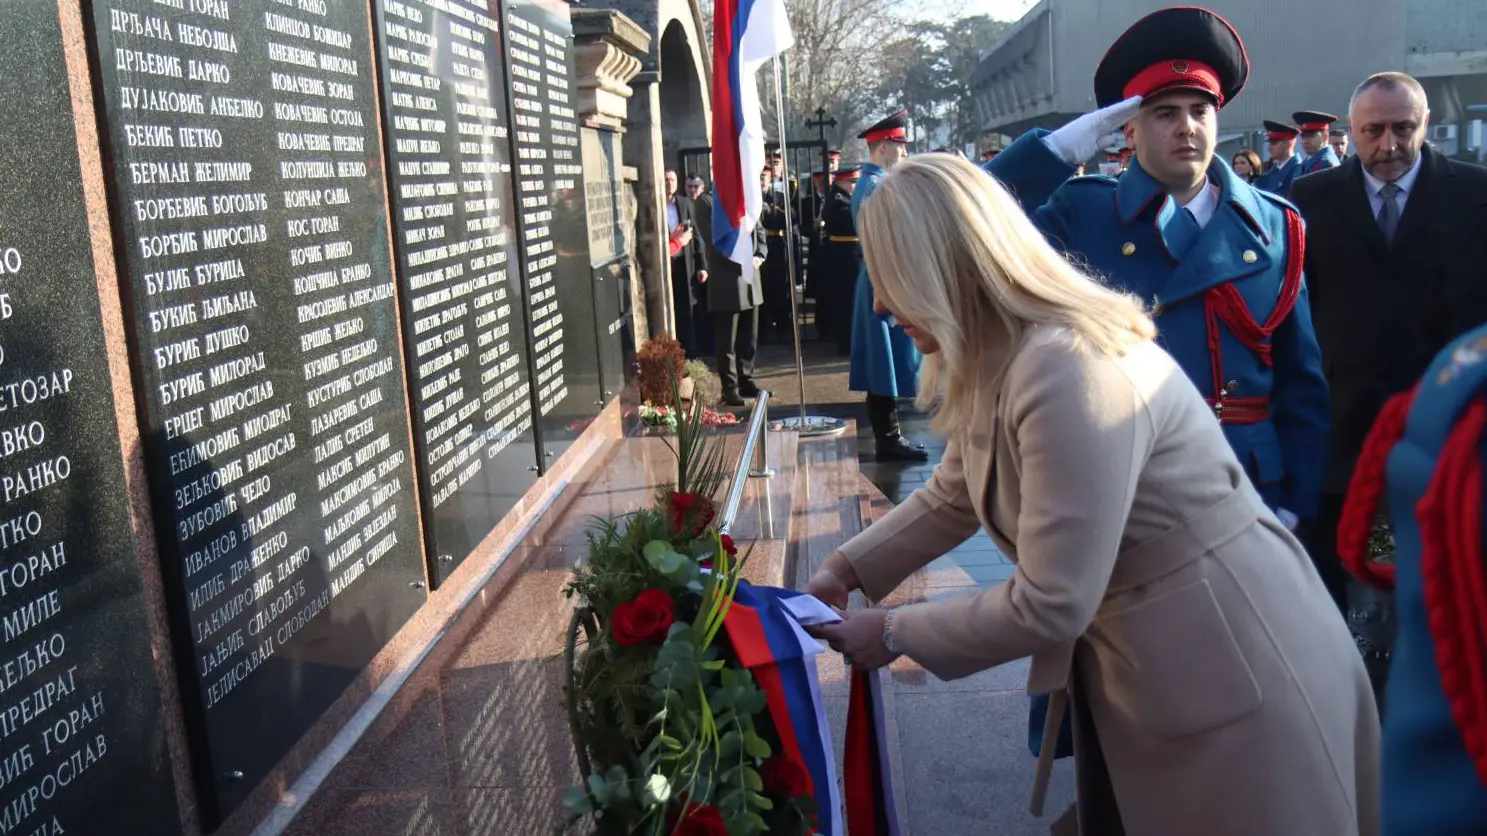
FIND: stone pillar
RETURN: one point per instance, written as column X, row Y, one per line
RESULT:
column 643, row 150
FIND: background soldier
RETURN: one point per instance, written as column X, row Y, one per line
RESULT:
column 1285, row 164
column 774, row 317
column 1315, row 126
column 1338, row 139
column 840, row 256
column 885, row 361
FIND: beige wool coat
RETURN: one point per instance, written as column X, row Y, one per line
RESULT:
column 1225, row 689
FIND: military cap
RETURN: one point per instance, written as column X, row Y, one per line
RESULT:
column 1337, row 133
column 1280, row 130
column 1179, row 48
column 892, row 129
column 990, row 154
column 847, row 172
column 1313, row 120
column 834, row 154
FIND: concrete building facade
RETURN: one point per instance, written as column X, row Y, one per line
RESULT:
column 1302, row 57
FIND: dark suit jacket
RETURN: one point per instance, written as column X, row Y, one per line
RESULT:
column 725, row 293
column 685, row 264
column 1383, row 312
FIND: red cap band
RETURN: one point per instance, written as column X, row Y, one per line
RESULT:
column 1308, row 127
column 1279, row 136
column 898, row 134
column 1175, row 75
column 848, row 175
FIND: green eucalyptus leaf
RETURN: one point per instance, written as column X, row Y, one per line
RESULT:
column 759, row 802
column 755, row 746
column 715, row 665
column 755, row 820
column 577, row 800
column 752, row 780
column 599, row 789
column 654, row 551
column 671, row 563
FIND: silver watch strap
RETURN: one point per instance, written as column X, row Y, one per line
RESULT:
column 888, row 641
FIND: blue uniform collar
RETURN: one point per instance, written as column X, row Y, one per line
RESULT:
column 1137, row 191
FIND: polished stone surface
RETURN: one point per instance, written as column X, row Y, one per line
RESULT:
column 249, row 203
column 82, row 736
column 552, row 224
column 444, row 102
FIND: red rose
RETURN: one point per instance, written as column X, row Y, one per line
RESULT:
column 728, row 546
column 644, row 620
column 685, row 506
column 698, row 820
column 785, row 776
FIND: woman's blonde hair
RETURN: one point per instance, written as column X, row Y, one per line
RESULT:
column 950, row 252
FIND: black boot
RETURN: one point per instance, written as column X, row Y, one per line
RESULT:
column 882, row 413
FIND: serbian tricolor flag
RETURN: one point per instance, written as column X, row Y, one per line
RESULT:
column 769, row 641
column 746, row 33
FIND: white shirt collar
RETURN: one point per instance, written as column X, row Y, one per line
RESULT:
column 1405, row 183
column 1204, row 204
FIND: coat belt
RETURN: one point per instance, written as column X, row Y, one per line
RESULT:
column 777, row 233
column 1240, row 410
column 842, row 239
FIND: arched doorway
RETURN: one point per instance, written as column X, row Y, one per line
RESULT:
column 685, row 116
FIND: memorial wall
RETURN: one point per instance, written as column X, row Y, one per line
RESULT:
column 82, row 744
column 361, row 316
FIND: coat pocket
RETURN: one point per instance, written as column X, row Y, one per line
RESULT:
column 1171, row 665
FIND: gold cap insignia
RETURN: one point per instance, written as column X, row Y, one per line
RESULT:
column 1127, row 248
column 1250, row 257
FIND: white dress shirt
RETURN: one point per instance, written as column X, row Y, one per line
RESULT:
column 671, row 217
column 1204, row 204
column 1406, row 184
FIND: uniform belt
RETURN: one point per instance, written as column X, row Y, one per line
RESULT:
column 842, row 239
column 777, row 233
column 1240, row 410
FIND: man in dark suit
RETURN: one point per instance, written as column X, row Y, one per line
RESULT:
column 1395, row 261
column 688, row 267
column 734, row 304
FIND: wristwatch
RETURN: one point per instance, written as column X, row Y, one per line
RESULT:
column 888, row 642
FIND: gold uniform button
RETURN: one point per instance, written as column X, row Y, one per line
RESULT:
column 1231, row 386
column 1250, row 257
column 1127, row 248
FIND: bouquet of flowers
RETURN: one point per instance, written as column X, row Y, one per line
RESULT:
column 658, row 416
column 674, row 734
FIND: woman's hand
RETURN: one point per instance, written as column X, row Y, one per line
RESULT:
column 859, row 638
column 833, row 582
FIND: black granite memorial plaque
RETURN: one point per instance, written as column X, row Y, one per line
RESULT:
column 248, row 196
column 552, row 220
column 82, row 742
column 449, row 154
column 609, row 255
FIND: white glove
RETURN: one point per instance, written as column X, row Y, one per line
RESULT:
column 1084, row 137
column 1287, row 519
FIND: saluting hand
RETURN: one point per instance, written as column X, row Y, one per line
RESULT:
column 1084, row 137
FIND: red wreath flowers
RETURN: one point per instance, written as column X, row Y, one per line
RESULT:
column 699, row 820
column 785, row 776
column 644, row 620
column 690, row 513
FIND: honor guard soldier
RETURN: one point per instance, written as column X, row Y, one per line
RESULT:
column 833, row 161
column 774, row 316
column 885, row 361
column 1285, row 163
column 1422, row 466
column 1314, row 128
column 1219, row 261
column 840, row 260
column 812, row 207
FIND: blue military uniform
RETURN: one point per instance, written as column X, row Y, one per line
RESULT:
column 1434, row 780
column 885, row 362
column 1229, row 299
column 884, row 359
column 1282, row 173
column 1311, row 121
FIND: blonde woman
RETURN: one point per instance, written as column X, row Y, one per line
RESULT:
column 1215, row 689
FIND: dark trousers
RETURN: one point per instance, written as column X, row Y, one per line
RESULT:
column 682, row 307
column 1320, row 538
column 882, row 414
column 736, row 340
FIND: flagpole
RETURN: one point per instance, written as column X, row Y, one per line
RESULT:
column 806, row 425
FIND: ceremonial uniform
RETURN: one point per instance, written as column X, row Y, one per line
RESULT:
column 1424, row 457
column 885, row 362
column 812, row 207
column 1313, row 122
column 1282, row 173
column 1228, row 295
column 840, row 261
column 774, row 273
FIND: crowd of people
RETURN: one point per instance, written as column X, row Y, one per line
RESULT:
column 1188, row 397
